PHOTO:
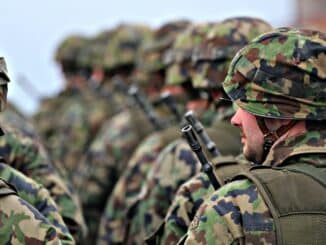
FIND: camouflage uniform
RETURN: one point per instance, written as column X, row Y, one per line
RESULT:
column 112, row 146
column 279, row 75
column 37, row 196
column 20, row 222
column 113, row 220
column 213, row 54
column 186, row 202
column 27, row 155
column 160, row 186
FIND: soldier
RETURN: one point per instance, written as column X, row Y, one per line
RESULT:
column 108, row 153
column 278, row 83
column 20, row 222
column 28, row 156
column 176, row 162
column 214, row 54
column 78, row 111
column 112, row 227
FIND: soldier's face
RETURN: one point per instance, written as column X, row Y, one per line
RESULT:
column 251, row 136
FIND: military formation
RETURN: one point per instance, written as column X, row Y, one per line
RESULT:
column 189, row 133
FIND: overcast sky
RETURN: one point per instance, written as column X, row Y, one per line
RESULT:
column 30, row 30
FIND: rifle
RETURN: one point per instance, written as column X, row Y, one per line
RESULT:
column 146, row 107
column 168, row 99
column 201, row 132
column 195, row 146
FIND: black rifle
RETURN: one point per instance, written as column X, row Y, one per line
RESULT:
column 168, row 99
column 146, row 107
column 195, row 146
column 200, row 130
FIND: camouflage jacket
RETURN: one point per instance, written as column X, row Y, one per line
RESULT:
column 168, row 173
column 186, row 202
column 37, row 196
column 105, row 160
column 236, row 213
column 112, row 227
column 161, row 183
column 21, row 223
column 23, row 151
column 75, row 118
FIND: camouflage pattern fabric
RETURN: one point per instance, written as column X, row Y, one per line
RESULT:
column 156, row 195
column 124, row 45
column 178, row 58
column 186, row 202
column 212, row 56
column 106, row 159
column 280, row 75
column 149, row 64
column 173, row 167
column 73, row 125
column 68, row 49
column 237, row 213
column 273, row 75
column 152, row 52
column 28, row 156
column 37, row 196
column 112, row 227
column 21, row 223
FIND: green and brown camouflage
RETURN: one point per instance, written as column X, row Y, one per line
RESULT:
column 175, row 164
column 25, row 153
column 21, row 223
column 187, row 201
column 152, row 52
column 37, row 196
column 123, row 47
column 237, row 212
column 113, row 222
column 106, row 159
column 76, row 116
column 178, row 57
column 4, row 80
column 281, row 74
column 213, row 55
column 68, row 50
column 273, row 76
column 113, row 225
column 92, row 55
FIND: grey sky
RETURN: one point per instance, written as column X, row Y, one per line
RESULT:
column 30, row 30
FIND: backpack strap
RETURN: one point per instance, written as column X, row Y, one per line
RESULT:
column 227, row 167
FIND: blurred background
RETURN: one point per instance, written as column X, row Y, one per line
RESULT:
column 31, row 30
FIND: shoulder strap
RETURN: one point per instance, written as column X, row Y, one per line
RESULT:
column 227, row 167
column 299, row 210
column 6, row 189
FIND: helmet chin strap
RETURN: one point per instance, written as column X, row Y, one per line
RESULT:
column 271, row 136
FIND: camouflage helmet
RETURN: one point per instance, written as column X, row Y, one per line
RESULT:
column 212, row 57
column 92, row 54
column 281, row 74
column 4, row 80
column 152, row 52
column 124, row 45
column 178, row 58
column 67, row 52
